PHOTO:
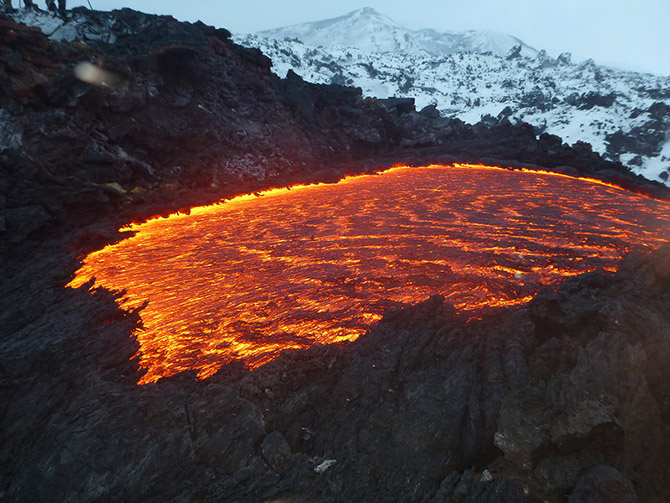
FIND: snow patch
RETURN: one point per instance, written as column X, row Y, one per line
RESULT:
column 48, row 22
column 75, row 26
column 654, row 167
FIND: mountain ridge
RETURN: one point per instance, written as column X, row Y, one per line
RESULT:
column 619, row 112
column 385, row 35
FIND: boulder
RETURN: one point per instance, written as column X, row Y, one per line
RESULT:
column 23, row 221
column 276, row 451
column 603, row 484
column 398, row 106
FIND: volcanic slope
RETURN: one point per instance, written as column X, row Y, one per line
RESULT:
column 565, row 397
column 484, row 76
column 191, row 109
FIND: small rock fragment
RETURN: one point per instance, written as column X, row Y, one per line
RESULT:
column 322, row 467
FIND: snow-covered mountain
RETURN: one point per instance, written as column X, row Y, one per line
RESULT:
column 369, row 31
column 479, row 75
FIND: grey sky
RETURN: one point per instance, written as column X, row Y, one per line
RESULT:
column 633, row 34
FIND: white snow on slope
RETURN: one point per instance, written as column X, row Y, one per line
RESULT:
column 76, row 26
column 624, row 115
column 475, row 75
column 370, row 31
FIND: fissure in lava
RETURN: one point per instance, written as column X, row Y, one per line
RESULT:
column 320, row 264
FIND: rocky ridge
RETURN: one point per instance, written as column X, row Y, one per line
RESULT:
column 563, row 398
column 623, row 115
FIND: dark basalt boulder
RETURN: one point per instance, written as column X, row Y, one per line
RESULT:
column 589, row 100
column 564, row 58
column 659, row 111
column 275, row 451
column 398, row 106
column 603, row 484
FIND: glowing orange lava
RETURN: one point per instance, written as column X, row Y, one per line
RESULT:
column 321, row 263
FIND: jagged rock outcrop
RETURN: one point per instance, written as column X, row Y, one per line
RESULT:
column 563, row 398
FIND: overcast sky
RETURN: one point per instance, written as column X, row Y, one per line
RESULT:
column 632, row 34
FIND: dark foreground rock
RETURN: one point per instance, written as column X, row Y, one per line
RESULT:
column 565, row 398
column 518, row 406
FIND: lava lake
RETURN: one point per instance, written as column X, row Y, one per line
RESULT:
column 320, row 264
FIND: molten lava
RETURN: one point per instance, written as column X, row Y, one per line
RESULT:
column 320, row 264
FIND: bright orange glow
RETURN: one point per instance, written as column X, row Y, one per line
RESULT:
column 253, row 276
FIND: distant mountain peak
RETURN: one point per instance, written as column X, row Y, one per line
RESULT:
column 368, row 11
column 364, row 15
column 370, row 31
column 365, row 12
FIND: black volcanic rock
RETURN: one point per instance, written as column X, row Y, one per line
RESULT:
column 603, row 484
column 428, row 406
column 399, row 105
column 275, row 451
column 647, row 137
column 589, row 100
